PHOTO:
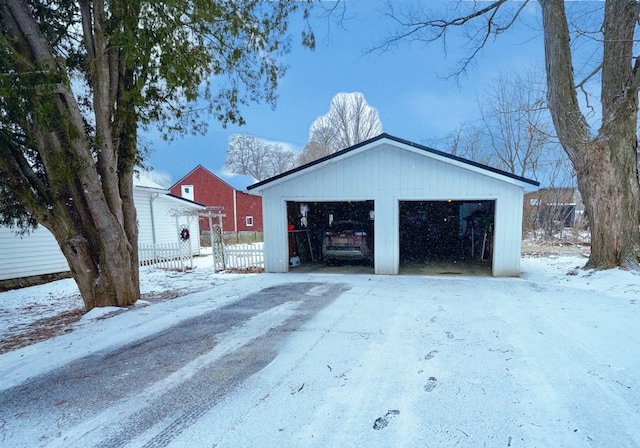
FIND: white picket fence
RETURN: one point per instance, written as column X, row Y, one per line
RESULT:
column 175, row 256
column 164, row 255
column 243, row 256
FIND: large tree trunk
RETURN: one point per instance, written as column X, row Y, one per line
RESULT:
column 609, row 188
column 104, row 266
column 605, row 164
column 97, row 236
column 88, row 183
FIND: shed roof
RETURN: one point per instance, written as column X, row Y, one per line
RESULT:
column 417, row 147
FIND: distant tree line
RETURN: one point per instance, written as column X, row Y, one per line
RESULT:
column 258, row 158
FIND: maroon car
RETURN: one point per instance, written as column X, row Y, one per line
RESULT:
column 346, row 241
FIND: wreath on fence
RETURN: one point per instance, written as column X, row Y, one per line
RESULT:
column 184, row 234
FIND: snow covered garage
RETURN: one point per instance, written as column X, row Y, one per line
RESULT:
column 414, row 204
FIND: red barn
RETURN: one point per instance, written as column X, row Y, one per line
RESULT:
column 243, row 210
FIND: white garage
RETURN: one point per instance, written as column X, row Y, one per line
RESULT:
column 414, row 203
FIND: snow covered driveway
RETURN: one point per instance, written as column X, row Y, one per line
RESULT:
column 337, row 360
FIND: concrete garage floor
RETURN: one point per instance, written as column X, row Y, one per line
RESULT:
column 466, row 267
column 321, row 267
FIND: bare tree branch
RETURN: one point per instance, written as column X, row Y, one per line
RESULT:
column 414, row 27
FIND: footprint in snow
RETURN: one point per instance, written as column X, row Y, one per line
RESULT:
column 382, row 422
column 431, row 354
column 449, row 335
column 431, row 384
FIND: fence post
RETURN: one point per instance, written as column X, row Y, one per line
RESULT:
column 217, row 247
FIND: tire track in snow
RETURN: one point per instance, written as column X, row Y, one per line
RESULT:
column 151, row 389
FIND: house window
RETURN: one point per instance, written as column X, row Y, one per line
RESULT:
column 534, row 202
column 249, row 221
column 187, row 192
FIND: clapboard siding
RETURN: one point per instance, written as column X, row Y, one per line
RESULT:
column 143, row 215
column 34, row 254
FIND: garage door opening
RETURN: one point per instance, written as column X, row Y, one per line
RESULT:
column 331, row 236
column 446, row 237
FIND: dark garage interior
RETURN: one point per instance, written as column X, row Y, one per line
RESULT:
column 446, row 232
column 309, row 222
column 436, row 237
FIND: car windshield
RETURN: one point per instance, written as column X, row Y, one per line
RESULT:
column 343, row 226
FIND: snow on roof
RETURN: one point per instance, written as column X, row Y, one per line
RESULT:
column 144, row 182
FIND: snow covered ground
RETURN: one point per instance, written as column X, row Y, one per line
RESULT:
column 549, row 359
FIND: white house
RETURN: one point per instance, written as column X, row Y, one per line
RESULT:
column 161, row 217
column 419, row 203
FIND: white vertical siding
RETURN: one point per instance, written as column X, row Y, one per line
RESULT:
column 507, row 236
column 276, row 244
column 388, row 173
column 386, row 235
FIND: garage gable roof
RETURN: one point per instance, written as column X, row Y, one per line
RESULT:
column 415, row 146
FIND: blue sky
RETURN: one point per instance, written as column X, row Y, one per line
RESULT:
column 407, row 85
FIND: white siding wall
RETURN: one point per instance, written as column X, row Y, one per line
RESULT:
column 142, row 199
column 38, row 253
column 274, row 215
column 507, row 236
column 35, row 254
column 388, row 174
column 165, row 225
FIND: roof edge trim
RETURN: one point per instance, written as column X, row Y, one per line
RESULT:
column 386, row 136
